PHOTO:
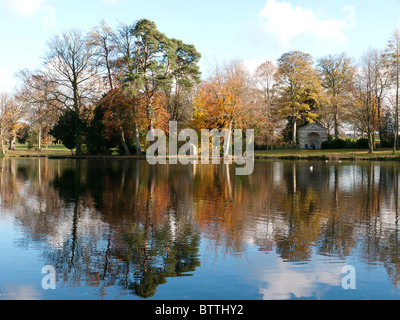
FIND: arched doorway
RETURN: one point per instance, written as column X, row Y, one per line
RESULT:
column 314, row 141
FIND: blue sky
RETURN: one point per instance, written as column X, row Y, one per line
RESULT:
column 254, row 30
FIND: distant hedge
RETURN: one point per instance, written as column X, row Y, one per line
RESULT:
column 362, row 144
column 345, row 144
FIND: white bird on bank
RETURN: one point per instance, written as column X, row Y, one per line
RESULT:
column 311, row 168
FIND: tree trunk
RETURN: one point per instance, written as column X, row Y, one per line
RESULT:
column 13, row 141
column 396, row 120
column 396, row 125
column 110, row 82
column 370, row 141
column 40, row 139
column 150, row 116
column 336, row 124
column 294, row 137
column 124, row 142
column 77, row 108
column 137, row 140
column 78, row 134
column 3, row 149
column 380, row 133
column 229, row 142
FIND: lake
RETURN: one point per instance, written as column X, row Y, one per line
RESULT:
column 125, row 230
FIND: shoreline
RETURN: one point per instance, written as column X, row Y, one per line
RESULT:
column 331, row 158
column 322, row 157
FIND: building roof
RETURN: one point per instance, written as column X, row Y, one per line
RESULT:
column 311, row 125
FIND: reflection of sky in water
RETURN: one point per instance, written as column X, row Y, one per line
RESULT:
column 301, row 281
column 249, row 275
column 18, row 278
column 351, row 177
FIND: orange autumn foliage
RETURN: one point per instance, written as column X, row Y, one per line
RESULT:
column 121, row 110
column 223, row 101
column 161, row 115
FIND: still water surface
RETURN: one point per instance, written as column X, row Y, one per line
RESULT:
column 126, row 230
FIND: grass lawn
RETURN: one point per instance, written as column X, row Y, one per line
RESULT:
column 54, row 151
column 339, row 154
column 24, row 152
column 58, row 151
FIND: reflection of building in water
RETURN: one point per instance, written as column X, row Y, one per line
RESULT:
column 315, row 178
column 277, row 172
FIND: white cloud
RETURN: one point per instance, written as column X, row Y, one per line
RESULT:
column 253, row 64
column 24, row 7
column 287, row 23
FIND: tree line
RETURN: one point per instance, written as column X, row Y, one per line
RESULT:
column 101, row 91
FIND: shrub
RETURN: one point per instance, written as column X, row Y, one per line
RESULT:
column 131, row 147
column 387, row 142
column 362, row 143
column 64, row 130
column 334, row 144
column 351, row 144
column 337, row 144
column 97, row 141
column 325, row 145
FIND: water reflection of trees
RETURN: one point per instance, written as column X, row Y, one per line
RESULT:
column 102, row 224
column 338, row 209
column 130, row 225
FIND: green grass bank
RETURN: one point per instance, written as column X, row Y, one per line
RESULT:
column 60, row 152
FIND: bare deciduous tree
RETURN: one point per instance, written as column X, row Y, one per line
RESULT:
column 41, row 110
column 102, row 39
column 337, row 74
column 393, row 62
column 364, row 99
column 73, row 70
column 11, row 112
